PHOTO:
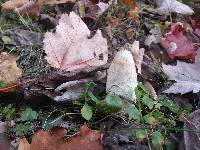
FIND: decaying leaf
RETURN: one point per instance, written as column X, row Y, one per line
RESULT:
column 84, row 139
column 69, row 47
column 169, row 6
column 23, row 6
column 12, row 4
column 130, row 4
column 151, row 90
column 24, row 145
column 155, row 36
column 31, row 7
column 177, row 44
column 186, row 75
column 133, row 13
column 74, row 90
column 21, row 37
column 112, row 21
column 192, row 139
column 122, row 76
column 4, row 143
column 138, row 54
column 9, row 72
column 90, row 9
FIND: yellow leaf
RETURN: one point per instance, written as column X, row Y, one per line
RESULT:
column 9, row 72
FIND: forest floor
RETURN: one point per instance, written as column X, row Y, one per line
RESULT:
column 43, row 103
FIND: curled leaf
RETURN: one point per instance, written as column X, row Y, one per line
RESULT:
column 169, row 6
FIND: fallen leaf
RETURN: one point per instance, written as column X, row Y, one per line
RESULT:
column 3, row 127
column 181, row 116
column 177, row 44
column 133, row 10
column 103, row 7
column 138, row 54
column 133, row 15
column 69, row 47
column 186, row 75
column 4, row 142
column 154, row 37
column 151, row 90
column 89, row 9
column 74, row 90
column 12, row 4
column 169, row 6
column 192, row 139
column 23, row 6
column 24, row 145
column 122, row 76
column 36, row 91
column 9, row 72
column 131, row 4
column 24, row 37
column 112, row 21
column 129, row 33
column 29, row 7
column 84, row 139
column 119, row 140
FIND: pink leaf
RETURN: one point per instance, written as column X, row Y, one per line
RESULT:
column 177, row 44
column 69, row 48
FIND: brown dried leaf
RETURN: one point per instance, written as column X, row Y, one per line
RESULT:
column 133, row 13
column 29, row 7
column 112, row 21
column 151, row 90
column 9, row 72
column 70, row 49
column 24, row 145
column 130, row 4
column 23, row 6
column 12, row 4
column 84, row 139
column 88, row 9
column 138, row 54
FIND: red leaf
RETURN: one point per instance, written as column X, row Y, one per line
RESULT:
column 177, row 44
